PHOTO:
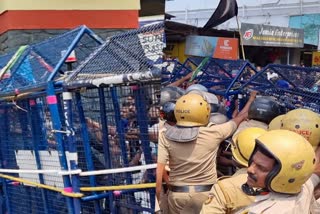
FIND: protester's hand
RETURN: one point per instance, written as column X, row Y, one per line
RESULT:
column 188, row 76
column 253, row 94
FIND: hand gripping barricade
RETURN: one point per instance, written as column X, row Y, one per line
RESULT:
column 81, row 126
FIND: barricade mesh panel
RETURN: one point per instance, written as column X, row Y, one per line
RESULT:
column 113, row 126
column 221, row 73
column 4, row 59
column 27, row 143
column 294, row 87
column 172, row 70
column 130, row 52
column 124, row 140
column 33, row 65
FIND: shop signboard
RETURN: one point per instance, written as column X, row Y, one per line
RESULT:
column 272, row 36
column 315, row 58
column 153, row 44
column 217, row 47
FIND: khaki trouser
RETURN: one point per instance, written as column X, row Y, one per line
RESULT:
column 186, row 202
column 163, row 203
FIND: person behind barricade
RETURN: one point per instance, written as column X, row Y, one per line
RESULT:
column 226, row 196
column 261, row 113
column 272, row 75
column 191, row 147
column 282, row 174
column 282, row 84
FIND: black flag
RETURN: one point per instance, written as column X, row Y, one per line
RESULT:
column 225, row 10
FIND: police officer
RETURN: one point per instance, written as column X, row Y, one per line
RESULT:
column 170, row 93
column 226, row 196
column 304, row 122
column 215, row 116
column 282, row 174
column 167, row 112
column 261, row 112
column 276, row 123
column 191, row 147
column 167, row 118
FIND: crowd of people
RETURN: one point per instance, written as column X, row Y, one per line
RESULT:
column 271, row 154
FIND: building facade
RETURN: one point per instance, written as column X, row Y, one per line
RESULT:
column 303, row 14
column 30, row 21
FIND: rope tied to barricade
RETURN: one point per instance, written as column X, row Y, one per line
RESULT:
column 17, row 106
column 68, row 191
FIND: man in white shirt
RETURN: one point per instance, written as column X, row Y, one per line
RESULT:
column 271, row 75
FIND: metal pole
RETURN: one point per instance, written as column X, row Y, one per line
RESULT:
column 67, row 107
column 86, row 146
column 36, row 133
column 105, row 142
column 142, row 117
column 241, row 41
column 120, row 131
column 56, row 122
column 4, row 122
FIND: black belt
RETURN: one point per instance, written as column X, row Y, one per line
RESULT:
column 196, row 188
column 165, row 187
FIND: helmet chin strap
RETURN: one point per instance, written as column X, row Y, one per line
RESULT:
column 254, row 191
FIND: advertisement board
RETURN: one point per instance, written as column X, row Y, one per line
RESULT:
column 271, row 36
column 217, row 47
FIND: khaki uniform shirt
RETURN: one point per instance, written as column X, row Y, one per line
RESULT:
column 284, row 203
column 228, row 194
column 193, row 163
column 251, row 123
column 315, row 207
column 161, row 124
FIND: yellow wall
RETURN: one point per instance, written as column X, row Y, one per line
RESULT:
column 176, row 50
column 69, row 5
